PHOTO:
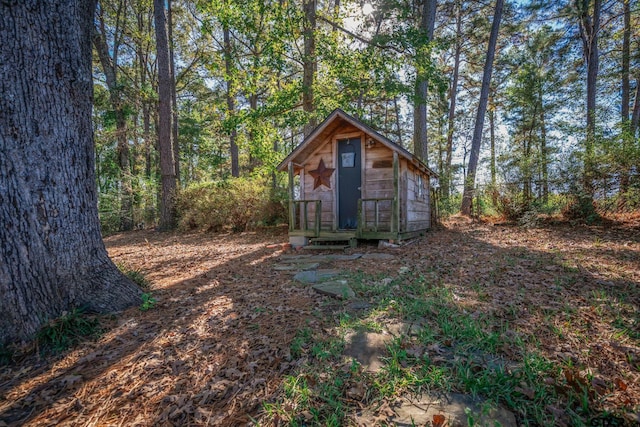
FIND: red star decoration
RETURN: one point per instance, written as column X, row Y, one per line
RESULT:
column 322, row 175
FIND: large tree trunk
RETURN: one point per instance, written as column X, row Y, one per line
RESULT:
column 309, row 64
column 52, row 257
column 420, row 140
column 165, row 119
column 470, row 180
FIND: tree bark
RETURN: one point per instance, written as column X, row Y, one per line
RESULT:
column 165, row 120
column 52, row 257
column 231, row 105
column 635, row 116
column 309, row 64
column 174, row 96
column 470, row 180
column 420, row 140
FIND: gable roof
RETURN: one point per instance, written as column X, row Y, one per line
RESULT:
column 330, row 124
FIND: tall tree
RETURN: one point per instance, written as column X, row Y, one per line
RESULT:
column 165, row 119
column 453, row 95
column 174, row 93
column 426, row 27
column 589, row 24
column 309, row 64
column 52, row 257
column 108, row 54
column 469, row 182
column 231, row 102
column 627, row 138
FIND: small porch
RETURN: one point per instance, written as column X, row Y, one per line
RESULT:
column 378, row 219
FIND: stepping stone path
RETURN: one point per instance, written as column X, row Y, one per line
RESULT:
column 370, row 349
column 324, row 281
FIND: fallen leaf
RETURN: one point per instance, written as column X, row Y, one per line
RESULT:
column 620, row 385
column 438, row 420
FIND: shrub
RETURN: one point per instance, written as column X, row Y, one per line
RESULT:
column 512, row 206
column 580, row 208
column 237, row 204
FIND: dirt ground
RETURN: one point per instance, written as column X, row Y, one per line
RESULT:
column 216, row 345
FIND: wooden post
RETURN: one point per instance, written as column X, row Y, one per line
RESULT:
column 292, row 209
column 395, row 214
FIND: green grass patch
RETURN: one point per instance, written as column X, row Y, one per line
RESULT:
column 447, row 346
column 66, row 331
column 136, row 276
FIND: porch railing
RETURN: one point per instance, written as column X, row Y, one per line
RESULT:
column 366, row 206
column 299, row 216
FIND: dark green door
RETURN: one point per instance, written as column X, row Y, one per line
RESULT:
column 349, row 182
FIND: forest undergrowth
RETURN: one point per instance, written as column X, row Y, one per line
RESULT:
column 541, row 321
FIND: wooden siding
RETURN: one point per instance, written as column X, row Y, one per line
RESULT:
column 322, row 193
column 378, row 184
column 417, row 204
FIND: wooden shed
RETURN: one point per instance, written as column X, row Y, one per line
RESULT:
column 348, row 182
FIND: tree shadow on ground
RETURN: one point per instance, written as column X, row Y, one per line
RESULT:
column 203, row 328
column 217, row 343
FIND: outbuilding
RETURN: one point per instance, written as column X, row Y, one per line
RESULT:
column 348, row 182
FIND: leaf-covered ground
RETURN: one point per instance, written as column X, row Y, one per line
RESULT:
column 217, row 345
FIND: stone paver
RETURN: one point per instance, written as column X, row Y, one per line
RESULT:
column 335, row 288
column 315, row 276
column 458, row 410
column 368, row 348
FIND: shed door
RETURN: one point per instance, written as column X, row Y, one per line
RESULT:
column 349, row 182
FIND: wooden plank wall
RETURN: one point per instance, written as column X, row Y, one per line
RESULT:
column 326, row 195
column 417, row 204
column 378, row 183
